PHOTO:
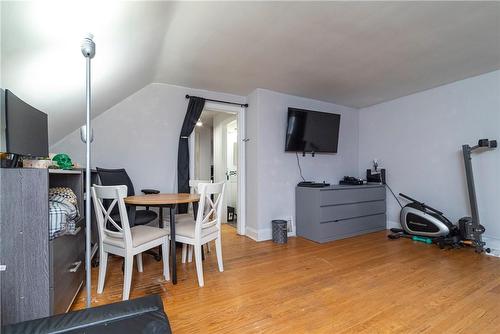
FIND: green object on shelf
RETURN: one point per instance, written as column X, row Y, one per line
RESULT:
column 422, row 239
column 63, row 161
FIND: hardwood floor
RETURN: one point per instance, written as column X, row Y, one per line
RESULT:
column 364, row 284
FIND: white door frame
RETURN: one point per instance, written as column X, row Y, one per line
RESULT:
column 240, row 116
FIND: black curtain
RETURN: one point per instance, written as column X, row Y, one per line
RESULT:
column 195, row 107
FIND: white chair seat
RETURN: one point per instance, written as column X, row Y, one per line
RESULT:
column 187, row 228
column 183, row 217
column 140, row 235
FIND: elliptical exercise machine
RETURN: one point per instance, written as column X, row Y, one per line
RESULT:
column 429, row 224
column 421, row 220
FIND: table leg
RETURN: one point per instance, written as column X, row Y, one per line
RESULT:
column 157, row 254
column 173, row 248
column 160, row 214
column 195, row 210
column 160, row 224
column 195, row 214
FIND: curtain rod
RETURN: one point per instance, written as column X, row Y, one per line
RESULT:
column 226, row 102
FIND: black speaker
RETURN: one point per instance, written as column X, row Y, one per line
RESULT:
column 378, row 176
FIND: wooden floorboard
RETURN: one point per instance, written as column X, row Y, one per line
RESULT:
column 365, row 284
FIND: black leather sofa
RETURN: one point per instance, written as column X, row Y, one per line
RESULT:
column 142, row 315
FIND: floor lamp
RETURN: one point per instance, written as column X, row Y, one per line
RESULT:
column 88, row 50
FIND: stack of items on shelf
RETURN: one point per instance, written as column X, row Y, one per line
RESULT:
column 63, row 212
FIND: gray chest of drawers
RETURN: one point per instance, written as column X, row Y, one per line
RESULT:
column 337, row 212
column 42, row 276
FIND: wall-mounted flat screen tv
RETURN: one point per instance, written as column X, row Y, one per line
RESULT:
column 312, row 131
column 26, row 128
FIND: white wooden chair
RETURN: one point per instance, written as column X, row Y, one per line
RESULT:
column 187, row 254
column 193, row 187
column 123, row 240
column 206, row 227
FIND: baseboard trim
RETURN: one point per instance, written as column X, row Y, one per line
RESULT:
column 392, row 224
column 265, row 234
column 494, row 244
column 252, row 233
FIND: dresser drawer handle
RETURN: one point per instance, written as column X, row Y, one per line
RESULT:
column 76, row 266
column 76, row 231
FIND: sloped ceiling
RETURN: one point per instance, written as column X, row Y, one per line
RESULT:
column 42, row 62
column 356, row 54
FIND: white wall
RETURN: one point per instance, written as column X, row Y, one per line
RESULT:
column 272, row 174
column 2, row 125
column 418, row 138
column 252, row 171
column 141, row 134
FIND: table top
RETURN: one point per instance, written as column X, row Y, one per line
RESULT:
column 161, row 199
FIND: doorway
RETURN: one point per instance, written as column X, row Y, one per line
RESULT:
column 231, row 156
column 218, row 155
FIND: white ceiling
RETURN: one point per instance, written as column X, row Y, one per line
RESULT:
column 355, row 54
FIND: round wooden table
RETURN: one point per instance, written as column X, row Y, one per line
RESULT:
column 165, row 201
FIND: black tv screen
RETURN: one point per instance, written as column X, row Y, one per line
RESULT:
column 26, row 129
column 312, row 131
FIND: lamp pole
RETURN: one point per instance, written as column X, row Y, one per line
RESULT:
column 88, row 51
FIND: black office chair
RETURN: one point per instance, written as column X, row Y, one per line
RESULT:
column 116, row 177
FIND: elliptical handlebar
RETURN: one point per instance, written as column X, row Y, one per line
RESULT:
column 409, row 198
column 430, row 208
column 483, row 143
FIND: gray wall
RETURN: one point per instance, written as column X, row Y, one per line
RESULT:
column 141, row 134
column 251, row 151
column 273, row 173
column 418, row 138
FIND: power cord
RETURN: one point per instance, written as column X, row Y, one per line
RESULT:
column 397, row 200
column 298, row 164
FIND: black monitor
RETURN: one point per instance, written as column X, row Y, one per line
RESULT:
column 26, row 128
column 312, row 131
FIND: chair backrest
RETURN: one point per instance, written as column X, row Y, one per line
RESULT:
column 113, row 195
column 193, row 185
column 211, row 198
column 118, row 177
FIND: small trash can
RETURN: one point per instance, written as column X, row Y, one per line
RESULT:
column 280, row 231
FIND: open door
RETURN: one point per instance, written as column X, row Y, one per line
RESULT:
column 218, row 154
